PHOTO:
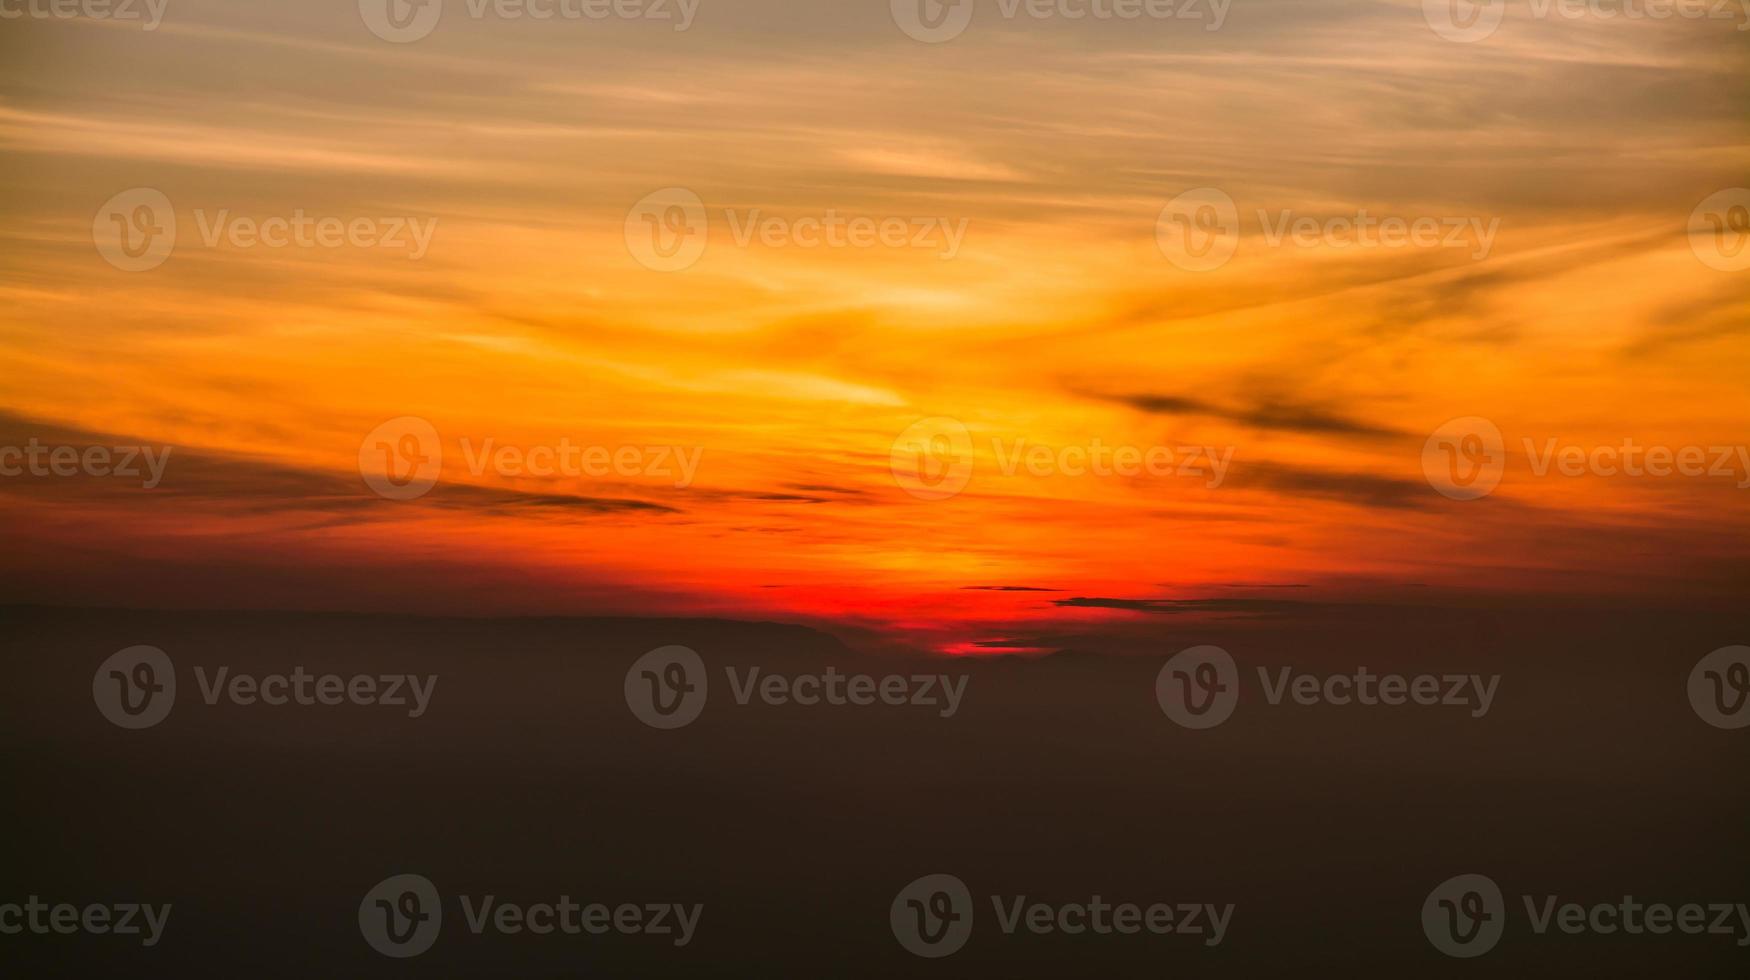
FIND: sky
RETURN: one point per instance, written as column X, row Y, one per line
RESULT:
column 888, row 299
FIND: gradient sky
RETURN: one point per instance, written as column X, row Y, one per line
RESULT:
column 1058, row 321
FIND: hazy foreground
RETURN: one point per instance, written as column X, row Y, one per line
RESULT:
column 528, row 777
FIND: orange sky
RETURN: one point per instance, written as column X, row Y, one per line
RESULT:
column 791, row 370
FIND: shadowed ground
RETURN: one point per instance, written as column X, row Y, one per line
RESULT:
column 1058, row 778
